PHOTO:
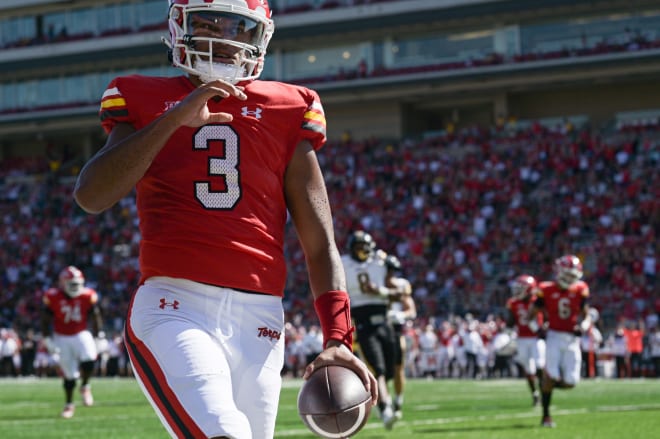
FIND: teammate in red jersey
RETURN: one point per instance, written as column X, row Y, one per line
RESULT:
column 564, row 302
column 65, row 315
column 530, row 349
column 218, row 160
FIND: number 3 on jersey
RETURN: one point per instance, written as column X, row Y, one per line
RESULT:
column 224, row 167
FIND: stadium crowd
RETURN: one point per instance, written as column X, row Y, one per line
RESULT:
column 465, row 211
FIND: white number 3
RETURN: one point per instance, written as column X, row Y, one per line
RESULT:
column 225, row 167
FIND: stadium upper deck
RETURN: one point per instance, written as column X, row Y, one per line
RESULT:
column 389, row 68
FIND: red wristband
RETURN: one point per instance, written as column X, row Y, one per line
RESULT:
column 334, row 311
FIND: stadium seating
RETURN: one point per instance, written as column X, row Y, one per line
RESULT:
column 539, row 192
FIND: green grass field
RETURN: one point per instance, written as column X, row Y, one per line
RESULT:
column 497, row 409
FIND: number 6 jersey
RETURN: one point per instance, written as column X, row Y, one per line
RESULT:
column 211, row 206
column 564, row 306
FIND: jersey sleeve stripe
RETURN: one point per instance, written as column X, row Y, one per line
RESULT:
column 114, row 91
column 314, row 126
column 315, row 115
column 113, row 102
column 314, row 119
column 116, row 114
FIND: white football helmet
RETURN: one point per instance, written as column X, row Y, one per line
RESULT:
column 523, row 286
column 568, row 270
column 72, row 281
column 219, row 39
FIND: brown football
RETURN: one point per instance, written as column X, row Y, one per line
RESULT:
column 333, row 402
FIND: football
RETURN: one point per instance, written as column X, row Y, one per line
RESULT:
column 333, row 402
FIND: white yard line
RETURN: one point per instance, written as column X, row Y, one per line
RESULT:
column 440, row 421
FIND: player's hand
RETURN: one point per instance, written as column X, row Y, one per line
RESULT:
column 194, row 111
column 533, row 326
column 337, row 353
column 50, row 345
column 585, row 325
column 582, row 327
column 396, row 316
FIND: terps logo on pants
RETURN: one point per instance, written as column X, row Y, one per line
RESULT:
column 164, row 303
column 269, row 333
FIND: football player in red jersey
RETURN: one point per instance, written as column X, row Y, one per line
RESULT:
column 65, row 315
column 218, row 160
column 564, row 303
column 530, row 349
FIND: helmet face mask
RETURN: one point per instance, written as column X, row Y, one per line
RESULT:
column 361, row 245
column 568, row 270
column 220, row 39
column 71, row 281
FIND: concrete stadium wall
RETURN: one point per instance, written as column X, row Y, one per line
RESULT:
column 600, row 101
column 364, row 119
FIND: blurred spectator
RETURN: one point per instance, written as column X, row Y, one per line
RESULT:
column 312, row 343
column 9, row 351
column 634, row 333
column 45, row 363
column 619, row 347
column 28, row 353
column 428, row 352
column 362, row 69
column 103, row 351
column 115, row 344
column 654, row 349
column 590, row 343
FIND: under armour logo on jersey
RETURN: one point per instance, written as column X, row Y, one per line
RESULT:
column 256, row 113
column 164, row 303
column 269, row 333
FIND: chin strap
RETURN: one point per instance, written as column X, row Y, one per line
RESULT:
column 210, row 71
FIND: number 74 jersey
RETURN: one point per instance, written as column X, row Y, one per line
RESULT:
column 69, row 313
column 211, row 206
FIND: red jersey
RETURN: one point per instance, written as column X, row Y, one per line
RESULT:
column 564, row 307
column 519, row 309
column 69, row 313
column 444, row 337
column 211, row 207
